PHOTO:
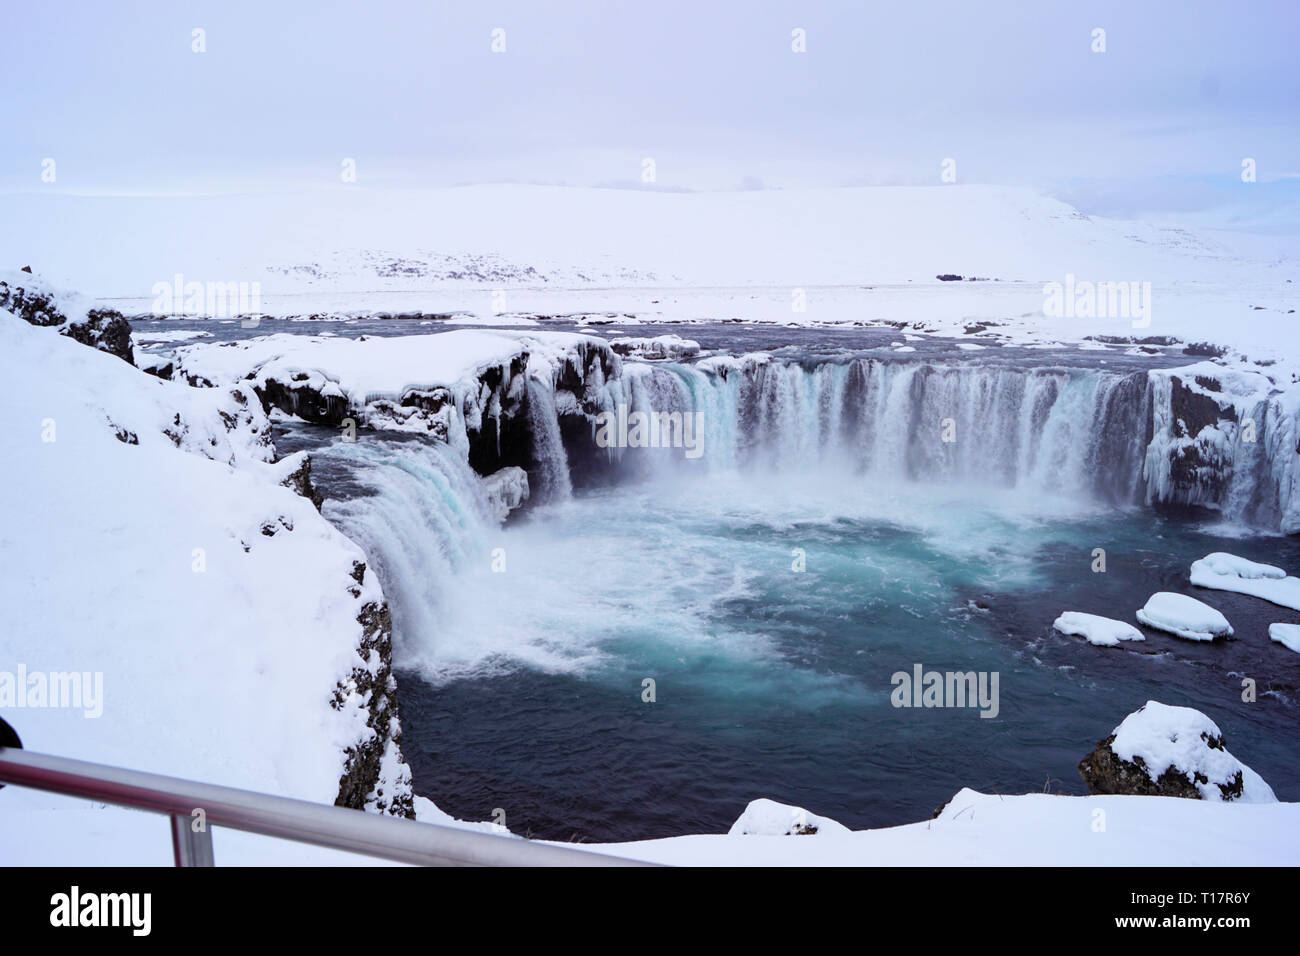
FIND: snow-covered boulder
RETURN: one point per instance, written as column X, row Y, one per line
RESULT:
column 1102, row 631
column 1288, row 635
column 1184, row 616
column 1167, row 751
column 36, row 302
column 1227, row 572
column 765, row 817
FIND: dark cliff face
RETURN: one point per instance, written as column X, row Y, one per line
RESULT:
column 1203, row 474
column 362, row 780
column 103, row 329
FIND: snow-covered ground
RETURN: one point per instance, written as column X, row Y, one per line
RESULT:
column 210, row 613
column 979, row 829
column 507, row 253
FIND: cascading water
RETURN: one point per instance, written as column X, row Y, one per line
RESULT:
column 1069, row 430
column 419, row 513
column 549, row 475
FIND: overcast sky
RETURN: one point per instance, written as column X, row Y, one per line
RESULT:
column 712, row 92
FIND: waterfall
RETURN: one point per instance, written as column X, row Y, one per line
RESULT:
column 423, row 515
column 1070, row 430
column 549, row 474
column 417, row 510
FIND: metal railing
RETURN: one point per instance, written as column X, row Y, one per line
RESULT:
column 370, row 834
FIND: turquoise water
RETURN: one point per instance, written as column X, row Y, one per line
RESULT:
column 774, row 682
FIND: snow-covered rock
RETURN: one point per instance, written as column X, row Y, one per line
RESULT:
column 35, row 301
column 765, row 817
column 1102, row 631
column 672, row 347
column 1288, row 635
column 1227, row 572
column 1184, row 616
column 1171, row 751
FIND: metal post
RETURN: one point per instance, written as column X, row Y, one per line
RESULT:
column 190, row 848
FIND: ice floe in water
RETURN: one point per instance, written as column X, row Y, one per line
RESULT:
column 1184, row 616
column 1287, row 635
column 1102, row 631
column 1227, row 572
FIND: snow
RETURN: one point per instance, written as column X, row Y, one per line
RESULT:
column 171, row 335
column 859, row 254
column 1220, row 562
column 369, row 367
column 1102, row 631
column 1184, row 616
column 363, row 367
column 1227, row 572
column 218, row 606
column 672, row 347
column 1176, row 737
column 973, row 829
column 1037, row 829
column 1287, row 635
column 765, row 817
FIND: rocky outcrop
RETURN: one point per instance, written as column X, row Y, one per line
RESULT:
column 375, row 776
column 297, row 476
column 1225, row 439
column 37, row 304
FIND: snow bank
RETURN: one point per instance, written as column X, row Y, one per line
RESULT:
column 1227, row 572
column 235, row 632
column 1102, row 631
column 765, row 817
column 980, row 829
column 1184, row 740
column 409, row 383
column 1287, row 635
column 1184, row 616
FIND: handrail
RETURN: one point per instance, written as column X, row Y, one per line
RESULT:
column 370, row 834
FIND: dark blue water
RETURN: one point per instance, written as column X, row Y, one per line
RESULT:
column 775, row 683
